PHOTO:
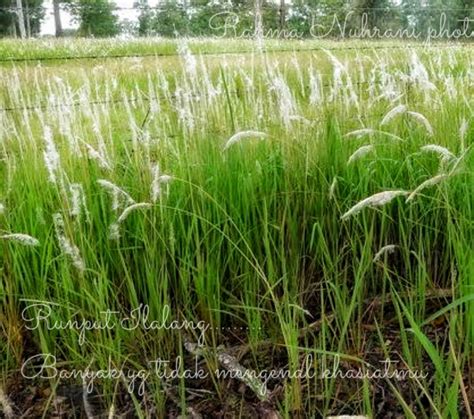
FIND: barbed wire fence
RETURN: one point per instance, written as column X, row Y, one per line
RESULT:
column 451, row 45
column 146, row 98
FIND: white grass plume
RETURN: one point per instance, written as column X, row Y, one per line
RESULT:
column 376, row 200
column 361, row 152
column 243, row 134
column 426, row 184
column 78, row 200
column 463, row 133
column 370, row 131
column 97, row 156
column 66, row 245
column 423, row 121
column 114, row 229
column 419, row 74
column 126, row 212
column 166, row 178
column 397, row 110
column 385, row 250
column 2, row 208
column 315, row 84
column 463, row 129
column 24, row 239
column 117, row 193
column 358, row 133
column 189, row 60
column 443, row 152
column 158, row 180
column 300, row 119
column 285, row 99
column 51, row 155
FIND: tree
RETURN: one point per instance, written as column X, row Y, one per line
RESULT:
column 379, row 13
column 21, row 18
column 204, row 16
column 57, row 18
column 466, row 11
column 32, row 13
column 95, row 17
column 258, row 21
column 144, row 18
column 282, row 14
column 35, row 13
column 7, row 22
column 171, row 19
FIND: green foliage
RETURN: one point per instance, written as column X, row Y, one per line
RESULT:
column 144, row 17
column 33, row 13
column 95, row 17
column 195, row 17
column 201, row 16
column 171, row 19
column 237, row 18
column 7, row 18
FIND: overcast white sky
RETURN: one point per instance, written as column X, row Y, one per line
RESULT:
column 47, row 28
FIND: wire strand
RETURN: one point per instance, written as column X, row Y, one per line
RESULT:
column 457, row 44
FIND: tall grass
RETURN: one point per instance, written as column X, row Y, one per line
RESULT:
column 239, row 193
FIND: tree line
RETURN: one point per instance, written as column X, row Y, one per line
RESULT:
column 280, row 18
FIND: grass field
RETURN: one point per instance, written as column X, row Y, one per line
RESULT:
column 303, row 213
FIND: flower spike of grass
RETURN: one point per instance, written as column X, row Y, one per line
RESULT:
column 377, row 200
column 393, row 113
column 423, row 121
column 126, row 212
column 426, row 184
column 388, row 249
column 24, row 239
column 443, row 152
column 370, row 131
column 361, row 152
column 239, row 136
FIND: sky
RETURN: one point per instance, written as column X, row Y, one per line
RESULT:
column 47, row 28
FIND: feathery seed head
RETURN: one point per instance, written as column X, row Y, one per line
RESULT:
column 397, row 110
column 390, row 248
column 66, row 245
column 244, row 134
column 51, row 155
column 24, row 239
column 426, row 184
column 126, row 212
column 443, row 152
column 361, row 152
column 376, row 200
column 423, row 121
column 119, row 196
